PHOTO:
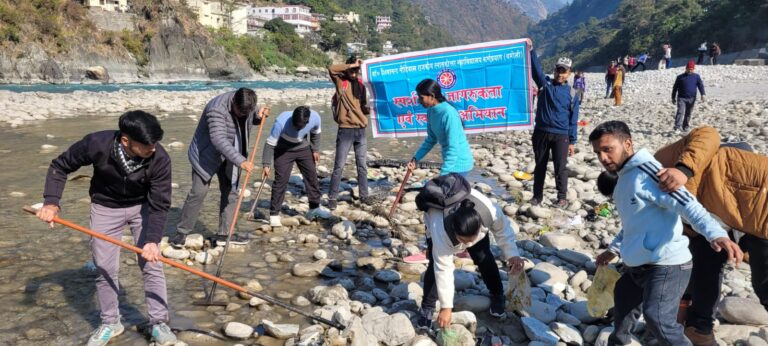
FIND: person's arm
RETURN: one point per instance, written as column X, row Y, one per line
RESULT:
column 701, row 145
column 615, row 246
column 159, row 200
column 536, row 71
column 217, row 130
column 427, row 145
column 700, row 85
column 573, row 121
column 453, row 129
column 505, row 234
column 674, row 88
column 69, row 161
column 268, row 155
column 442, row 255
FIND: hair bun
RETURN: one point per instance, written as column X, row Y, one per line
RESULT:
column 467, row 203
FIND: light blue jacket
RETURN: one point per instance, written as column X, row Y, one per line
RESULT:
column 652, row 232
column 444, row 127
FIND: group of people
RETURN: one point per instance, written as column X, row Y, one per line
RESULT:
column 131, row 186
column 713, row 51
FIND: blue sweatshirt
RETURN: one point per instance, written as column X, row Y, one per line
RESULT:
column 556, row 111
column 686, row 85
column 652, row 232
column 444, row 126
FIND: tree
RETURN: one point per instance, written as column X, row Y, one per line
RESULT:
column 278, row 25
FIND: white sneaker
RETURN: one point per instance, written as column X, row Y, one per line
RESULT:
column 318, row 213
column 274, row 221
column 105, row 333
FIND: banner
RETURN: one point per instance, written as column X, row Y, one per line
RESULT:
column 488, row 83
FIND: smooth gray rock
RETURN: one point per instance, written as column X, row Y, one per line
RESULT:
column 542, row 311
column 559, row 240
column 567, row 334
column 281, row 331
column 474, row 303
column 742, row 311
column 537, row 331
column 547, row 274
column 238, row 330
column 460, row 336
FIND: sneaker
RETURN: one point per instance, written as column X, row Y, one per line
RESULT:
column 368, row 201
column 318, row 213
column 700, row 339
column 332, row 204
column 535, row 201
column 178, row 240
column 561, row 203
column 498, row 306
column 105, row 333
column 424, row 322
column 236, row 239
column 419, row 258
column 274, row 221
column 162, row 335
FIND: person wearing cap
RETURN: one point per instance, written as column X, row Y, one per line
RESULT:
column 684, row 95
column 350, row 111
column 557, row 116
column 220, row 147
column 459, row 218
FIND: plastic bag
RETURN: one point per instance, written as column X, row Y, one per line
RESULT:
column 600, row 294
column 518, row 292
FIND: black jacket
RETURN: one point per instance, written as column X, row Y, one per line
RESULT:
column 150, row 184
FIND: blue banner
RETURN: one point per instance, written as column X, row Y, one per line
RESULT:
column 489, row 84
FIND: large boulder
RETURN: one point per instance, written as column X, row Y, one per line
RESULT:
column 474, row 303
column 738, row 310
column 547, row 274
column 98, row 73
column 328, row 295
column 455, row 335
column 537, row 331
column 559, row 240
column 281, row 331
column 396, row 329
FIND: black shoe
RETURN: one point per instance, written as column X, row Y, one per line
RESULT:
column 424, row 323
column 178, row 240
column 498, row 306
column 535, row 201
column 236, row 239
column 332, row 204
column 562, row 203
column 367, row 201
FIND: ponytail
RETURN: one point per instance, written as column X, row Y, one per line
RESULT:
column 465, row 221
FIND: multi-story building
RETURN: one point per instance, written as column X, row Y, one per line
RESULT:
column 383, row 23
column 350, row 18
column 221, row 14
column 387, row 48
column 297, row 15
column 108, row 5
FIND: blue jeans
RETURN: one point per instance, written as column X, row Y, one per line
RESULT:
column 345, row 140
column 656, row 289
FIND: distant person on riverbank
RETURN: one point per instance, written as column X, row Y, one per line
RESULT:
column 295, row 138
column 714, row 53
column 444, row 126
column 350, row 111
column 618, row 86
column 684, row 96
column 702, row 51
column 557, row 116
column 131, row 187
column 220, row 147
column 458, row 218
column 641, row 61
column 657, row 262
column 667, row 55
column 580, row 84
column 610, row 75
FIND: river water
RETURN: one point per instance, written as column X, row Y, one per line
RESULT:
column 47, row 292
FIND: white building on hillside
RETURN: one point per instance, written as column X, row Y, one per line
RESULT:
column 297, row 15
column 350, row 18
column 218, row 14
column 388, row 49
column 107, row 5
column 383, row 23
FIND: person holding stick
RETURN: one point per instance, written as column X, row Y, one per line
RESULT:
column 131, row 186
column 220, row 147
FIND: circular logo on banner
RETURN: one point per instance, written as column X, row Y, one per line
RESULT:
column 446, row 78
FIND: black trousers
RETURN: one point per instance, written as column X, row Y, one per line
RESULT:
column 284, row 160
column 707, row 277
column 636, row 65
column 543, row 144
column 482, row 256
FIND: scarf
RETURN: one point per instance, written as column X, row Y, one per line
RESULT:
column 126, row 162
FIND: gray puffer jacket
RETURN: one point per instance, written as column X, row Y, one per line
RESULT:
column 217, row 137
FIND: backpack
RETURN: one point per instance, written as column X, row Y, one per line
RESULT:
column 335, row 100
column 446, row 193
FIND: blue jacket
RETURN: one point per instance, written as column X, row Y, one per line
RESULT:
column 686, row 85
column 556, row 110
column 444, row 126
column 652, row 232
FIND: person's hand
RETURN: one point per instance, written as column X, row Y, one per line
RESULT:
column 604, row 258
column 571, row 150
column 735, row 255
column 411, row 164
column 515, row 265
column 263, row 113
column 247, row 166
column 671, row 179
column 356, row 64
column 151, row 252
column 674, row 102
column 47, row 213
column 316, row 156
column 265, row 173
column 444, row 318
column 702, row 98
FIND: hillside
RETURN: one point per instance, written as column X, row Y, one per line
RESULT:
column 538, row 9
column 482, row 20
column 592, row 34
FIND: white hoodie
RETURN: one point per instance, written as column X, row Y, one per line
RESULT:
column 443, row 249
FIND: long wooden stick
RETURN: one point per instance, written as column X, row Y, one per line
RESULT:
column 251, row 157
column 400, row 193
column 256, row 200
column 189, row 269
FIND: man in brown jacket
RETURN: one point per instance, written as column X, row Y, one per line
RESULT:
column 731, row 182
column 350, row 111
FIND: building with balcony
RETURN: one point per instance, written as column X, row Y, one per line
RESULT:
column 107, row 5
column 217, row 14
column 350, row 18
column 297, row 15
column 383, row 23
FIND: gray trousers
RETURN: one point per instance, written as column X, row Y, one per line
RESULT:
column 345, row 139
column 683, row 115
column 196, row 197
column 106, row 257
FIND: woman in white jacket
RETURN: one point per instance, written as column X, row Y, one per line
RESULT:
column 464, row 225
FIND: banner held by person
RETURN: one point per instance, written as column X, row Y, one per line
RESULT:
column 487, row 82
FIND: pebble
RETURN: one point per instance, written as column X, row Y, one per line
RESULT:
column 238, row 330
